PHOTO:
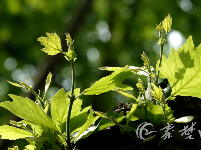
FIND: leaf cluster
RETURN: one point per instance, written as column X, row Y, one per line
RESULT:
column 58, row 122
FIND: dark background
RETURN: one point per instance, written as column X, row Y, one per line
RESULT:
column 106, row 33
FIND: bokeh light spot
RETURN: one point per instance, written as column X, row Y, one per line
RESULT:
column 10, row 64
column 93, row 56
column 175, row 39
column 103, row 31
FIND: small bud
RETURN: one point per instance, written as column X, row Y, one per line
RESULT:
column 69, row 41
column 167, row 23
column 140, row 85
column 159, row 27
column 161, row 41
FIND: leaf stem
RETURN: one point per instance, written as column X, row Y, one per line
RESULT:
column 160, row 60
column 72, row 98
column 145, row 108
column 38, row 97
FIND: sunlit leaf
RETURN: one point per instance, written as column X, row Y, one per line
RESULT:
column 183, row 70
column 28, row 110
column 13, row 133
column 52, row 43
column 70, row 55
column 110, row 82
column 157, row 92
column 48, row 81
column 59, row 108
column 124, row 92
column 167, row 23
column 133, row 69
column 91, row 119
column 131, row 112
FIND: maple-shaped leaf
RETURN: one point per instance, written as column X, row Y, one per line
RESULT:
column 52, row 43
column 183, row 70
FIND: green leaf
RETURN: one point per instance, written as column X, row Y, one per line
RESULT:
column 28, row 110
column 133, row 69
column 101, row 114
column 157, row 65
column 48, row 81
column 124, row 92
column 107, row 122
column 79, row 120
column 167, row 23
column 139, row 85
column 90, row 121
column 52, row 43
column 131, row 112
column 14, row 148
column 157, row 92
column 183, row 70
column 13, row 133
column 146, row 61
column 15, row 84
column 70, row 55
column 38, row 139
column 59, row 108
column 69, row 41
column 159, row 27
column 109, row 83
column 155, row 114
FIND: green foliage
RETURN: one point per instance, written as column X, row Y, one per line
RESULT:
column 57, row 122
column 167, row 23
column 13, row 133
column 29, row 111
column 182, row 69
column 52, row 44
column 157, row 92
column 109, row 83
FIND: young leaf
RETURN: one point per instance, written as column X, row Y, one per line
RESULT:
column 69, row 41
column 15, row 84
column 124, row 92
column 110, row 82
column 167, row 23
column 13, row 133
column 79, row 119
column 106, row 122
column 131, row 112
column 183, row 70
column 157, row 92
column 146, row 61
column 159, row 27
column 139, row 85
column 70, row 55
column 90, row 121
column 59, row 108
column 48, row 81
column 133, row 69
column 28, row 110
column 155, row 114
column 52, row 43
column 14, row 148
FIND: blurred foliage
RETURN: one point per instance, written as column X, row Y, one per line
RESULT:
column 113, row 33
